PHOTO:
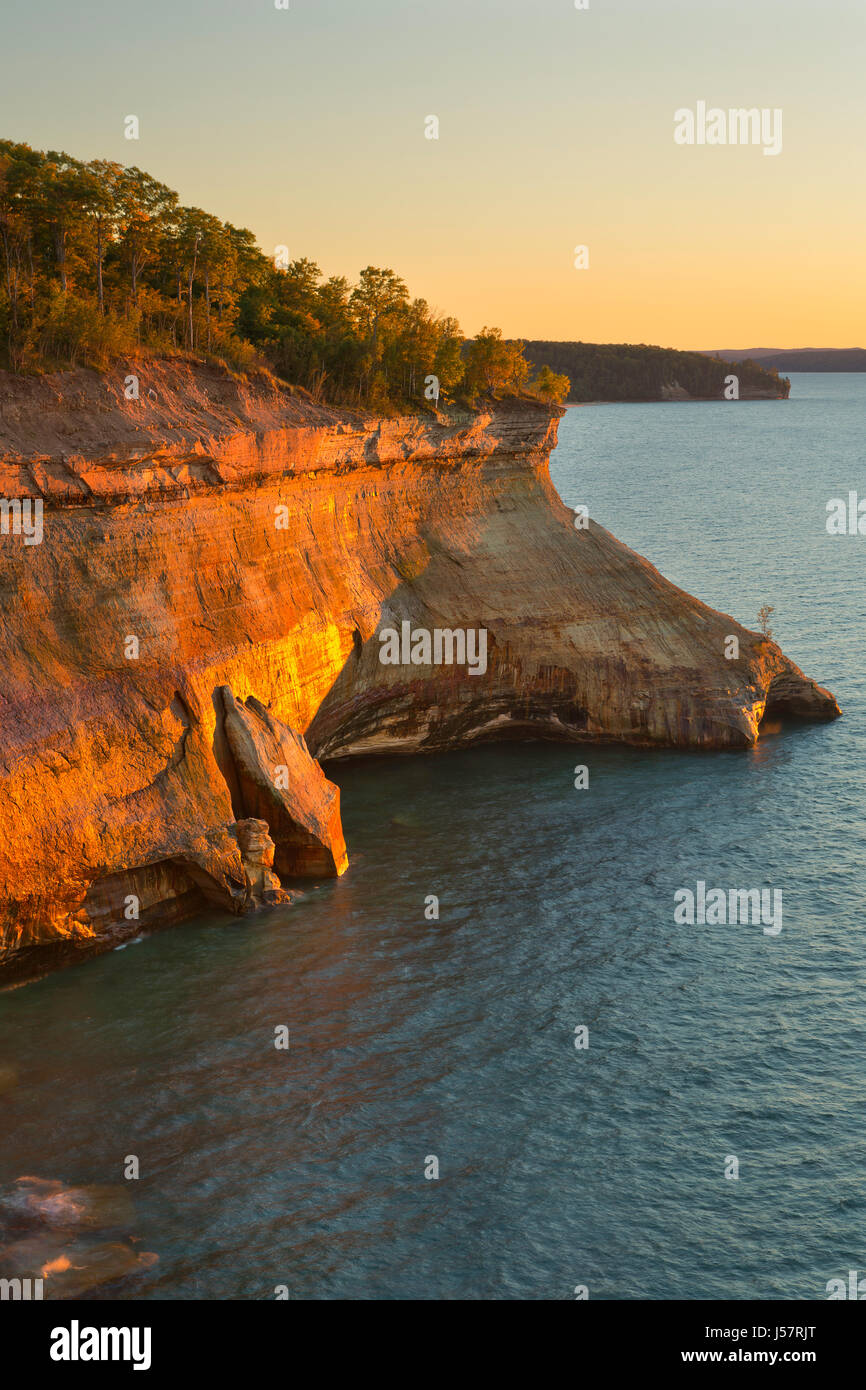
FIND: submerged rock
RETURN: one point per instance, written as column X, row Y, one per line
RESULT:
column 48, row 1202
column 48, row 1230
column 71, row 1269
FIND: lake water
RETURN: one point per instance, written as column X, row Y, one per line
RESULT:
column 455, row 1039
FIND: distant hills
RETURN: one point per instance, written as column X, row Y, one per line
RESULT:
column 642, row 372
column 800, row 359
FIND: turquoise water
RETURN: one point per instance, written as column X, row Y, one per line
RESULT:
column 412, row 1038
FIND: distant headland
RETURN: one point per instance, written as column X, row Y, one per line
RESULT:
column 801, row 359
column 641, row 372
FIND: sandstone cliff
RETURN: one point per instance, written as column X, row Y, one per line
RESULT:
column 201, row 621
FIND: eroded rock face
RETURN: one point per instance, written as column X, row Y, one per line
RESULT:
column 255, row 547
column 257, row 851
column 277, row 778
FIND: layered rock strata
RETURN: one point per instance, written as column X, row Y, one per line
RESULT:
column 203, row 614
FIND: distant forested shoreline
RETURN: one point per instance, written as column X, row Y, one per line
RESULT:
column 801, row 359
column 629, row 372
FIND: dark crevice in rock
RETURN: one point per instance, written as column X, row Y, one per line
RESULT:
column 224, row 759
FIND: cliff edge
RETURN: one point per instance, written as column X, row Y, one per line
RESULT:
column 232, row 581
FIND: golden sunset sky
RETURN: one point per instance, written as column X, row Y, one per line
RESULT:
column 555, row 129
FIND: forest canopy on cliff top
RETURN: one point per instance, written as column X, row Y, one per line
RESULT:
column 100, row 261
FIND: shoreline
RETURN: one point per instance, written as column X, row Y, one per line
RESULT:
column 679, row 400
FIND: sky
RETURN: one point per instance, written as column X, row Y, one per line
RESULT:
column 556, row 130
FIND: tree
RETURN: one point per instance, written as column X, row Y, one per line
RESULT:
column 375, row 302
column 216, row 262
column 550, row 386
column 99, row 259
column 191, row 230
column 411, row 351
column 448, row 363
column 145, row 208
column 379, row 295
column 15, row 225
column 100, row 181
column 62, row 190
column 495, row 364
column 765, row 612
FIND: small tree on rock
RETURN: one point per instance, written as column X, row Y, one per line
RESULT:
column 764, row 614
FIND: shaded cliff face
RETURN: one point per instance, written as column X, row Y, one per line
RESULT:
column 218, row 565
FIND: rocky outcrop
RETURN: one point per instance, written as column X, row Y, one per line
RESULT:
column 673, row 391
column 275, row 777
column 257, row 851
column 219, row 564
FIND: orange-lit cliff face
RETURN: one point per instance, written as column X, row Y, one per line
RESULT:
column 203, row 617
